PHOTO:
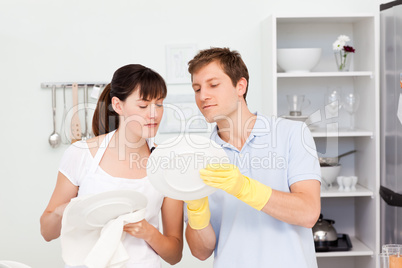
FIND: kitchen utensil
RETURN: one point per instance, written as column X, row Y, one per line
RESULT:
column 63, row 133
column 95, row 91
column 89, row 133
column 343, row 244
column 173, row 167
column 85, row 135
column 54, row 139
column 75, row 120
column 296, row 103
column 327, row 161
column 298, row 60
column 324, row 233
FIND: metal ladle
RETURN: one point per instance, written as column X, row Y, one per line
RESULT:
column 54, row 139
column 330, row 161
column 64, row 136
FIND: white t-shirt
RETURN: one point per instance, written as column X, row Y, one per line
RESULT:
column 83, row 170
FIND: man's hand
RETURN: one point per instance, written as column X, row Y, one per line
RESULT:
column 223, row 176
column 228, row 178
column 198, row 213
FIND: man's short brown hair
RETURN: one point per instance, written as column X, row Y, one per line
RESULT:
column 230, row 61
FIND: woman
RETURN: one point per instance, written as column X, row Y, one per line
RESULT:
column 127, row 115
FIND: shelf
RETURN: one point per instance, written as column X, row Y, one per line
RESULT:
column 314, row 18
column 324, row 74
column 333, row 192
column 358, row 249
column 323, row 133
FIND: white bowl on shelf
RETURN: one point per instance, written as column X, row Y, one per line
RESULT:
column 298, row 60
column 329, row 174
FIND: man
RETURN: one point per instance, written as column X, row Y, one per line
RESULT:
column 269, row 195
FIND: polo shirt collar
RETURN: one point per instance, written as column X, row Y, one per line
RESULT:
column 261, row 128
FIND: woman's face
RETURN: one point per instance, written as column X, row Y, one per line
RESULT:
column 140, row 117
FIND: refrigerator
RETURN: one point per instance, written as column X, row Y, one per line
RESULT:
column 391, row 122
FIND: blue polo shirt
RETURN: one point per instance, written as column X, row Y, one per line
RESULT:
column 278, row 153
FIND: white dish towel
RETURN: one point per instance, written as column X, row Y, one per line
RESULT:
column 97, row 247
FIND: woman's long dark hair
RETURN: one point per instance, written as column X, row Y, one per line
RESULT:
column 125, row 81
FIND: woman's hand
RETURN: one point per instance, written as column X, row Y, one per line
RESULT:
column 142, row 229
column 169, row 245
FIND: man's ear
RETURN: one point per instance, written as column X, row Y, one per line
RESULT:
column 241, row 86
column 116, row 104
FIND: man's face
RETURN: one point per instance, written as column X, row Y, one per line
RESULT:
column 215, row 95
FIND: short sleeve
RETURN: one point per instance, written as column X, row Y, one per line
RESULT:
column 75, row 161
column 303, row 160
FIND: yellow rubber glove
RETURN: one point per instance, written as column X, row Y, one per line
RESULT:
column 198, row 213
column 228, row 178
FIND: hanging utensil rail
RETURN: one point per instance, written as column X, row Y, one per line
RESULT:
column 70, row 84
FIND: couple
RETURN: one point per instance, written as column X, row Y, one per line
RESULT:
column 261, row 217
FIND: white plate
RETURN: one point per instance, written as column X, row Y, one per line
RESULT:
column 13, row 264
column 173, row 167
column 95, row 211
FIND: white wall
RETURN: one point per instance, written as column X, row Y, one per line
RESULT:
column 46, row 40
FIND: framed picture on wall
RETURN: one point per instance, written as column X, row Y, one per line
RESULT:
column 177, row 58
column 181, row 114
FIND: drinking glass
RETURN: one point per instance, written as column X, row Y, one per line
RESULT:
column 392, row 249
column 333, row 101
column 296, row 103
column 383, row 260
column 350, row 104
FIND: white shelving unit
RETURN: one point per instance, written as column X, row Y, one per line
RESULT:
column 324, row 74
column 323, row 133
column 359, row 249
column 334, row 192
column 356, row 213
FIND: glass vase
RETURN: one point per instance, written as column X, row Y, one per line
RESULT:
column 343, row 60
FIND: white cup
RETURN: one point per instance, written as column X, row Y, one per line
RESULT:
column 340, row 183
column 347, row 183
column 354, row 182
